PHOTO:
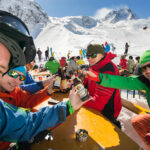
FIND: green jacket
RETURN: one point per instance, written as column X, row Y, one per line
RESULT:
column 129, row 83
column 52, row 66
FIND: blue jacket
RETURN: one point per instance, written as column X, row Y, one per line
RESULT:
column 28, row 79
column 107, row 48
column 30, row 85
column 33, row 87
column 19, row 125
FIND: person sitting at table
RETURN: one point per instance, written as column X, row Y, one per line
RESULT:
column 13, row 94
column 52, row 65
column 18, row 125
column 105, row 100
column 141, row 122
column 29, row 84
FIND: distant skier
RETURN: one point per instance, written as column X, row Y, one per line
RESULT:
column 107, row 47
column 47, row 54
column 126, row 48
column 39, row 52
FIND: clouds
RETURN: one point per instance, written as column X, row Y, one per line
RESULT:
column 101, row 13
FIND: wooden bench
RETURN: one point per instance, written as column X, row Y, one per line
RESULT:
column 102, row 134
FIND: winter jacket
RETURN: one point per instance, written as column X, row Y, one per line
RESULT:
column 19, row 125
column 123, row 63
column 110, row 55
column 30, row 85
column 130, row 65
column 21, row 98
column 52, row 66
column 28, row 79
column 80, row 62
column 63, row 62
column 33, row 87
column 106, row 100
column 129, row 83
column 107, row 48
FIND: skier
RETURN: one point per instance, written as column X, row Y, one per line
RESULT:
column 126, row 48
column 47, row 54
column 39, row 52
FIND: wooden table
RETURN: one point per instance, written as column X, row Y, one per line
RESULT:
column 103, row 135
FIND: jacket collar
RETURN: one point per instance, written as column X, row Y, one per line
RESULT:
column 100, row 64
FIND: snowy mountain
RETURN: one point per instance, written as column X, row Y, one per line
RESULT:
column 118, row 15
column 29, row 11
column 76, row 32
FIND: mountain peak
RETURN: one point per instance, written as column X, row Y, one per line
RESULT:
column 121, row 14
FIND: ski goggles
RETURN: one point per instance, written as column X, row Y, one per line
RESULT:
column 91, row 55
column 145, row 67
column 14, row 22
column 14, row 74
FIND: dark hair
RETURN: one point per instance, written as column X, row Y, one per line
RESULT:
column 78, row 57
column 130, row 57
column 137, row 58
column 51, row 58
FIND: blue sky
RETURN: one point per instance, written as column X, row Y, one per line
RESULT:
column 62, row 8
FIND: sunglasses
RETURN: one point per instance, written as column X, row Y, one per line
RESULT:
column 91, row 55
column 145, row 67
column 15, row 74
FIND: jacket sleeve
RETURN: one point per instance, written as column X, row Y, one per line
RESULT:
column 16, row 124
column 27, row 100
column 29, row 79
column 32, row 88
column 119, row 82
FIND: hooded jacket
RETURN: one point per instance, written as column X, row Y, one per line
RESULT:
column 106, row 100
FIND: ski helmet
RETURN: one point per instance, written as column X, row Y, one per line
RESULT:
column 14, row 28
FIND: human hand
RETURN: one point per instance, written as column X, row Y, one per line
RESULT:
column 92, row 75
column 51, row 83
column 75, row 99
column 48, row 81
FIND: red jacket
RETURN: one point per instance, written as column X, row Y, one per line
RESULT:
column 110, row 55
column 106, row 100
column 63, row 62
column 123, row 63
column 21, row 98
